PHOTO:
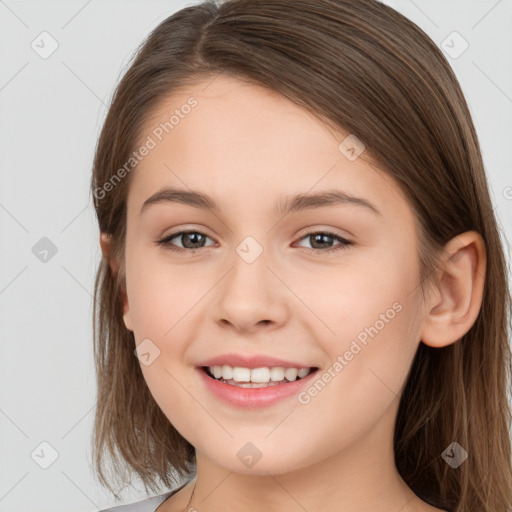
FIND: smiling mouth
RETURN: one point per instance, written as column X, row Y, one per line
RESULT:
column 257, row 377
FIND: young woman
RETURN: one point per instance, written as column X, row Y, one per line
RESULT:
column 303, row 300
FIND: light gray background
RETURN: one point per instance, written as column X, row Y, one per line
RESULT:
column 51, row 111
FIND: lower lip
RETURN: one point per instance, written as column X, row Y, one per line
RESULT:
column 254, row 398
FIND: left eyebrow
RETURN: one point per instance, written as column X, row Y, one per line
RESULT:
column 301, row 202
column 295, row 203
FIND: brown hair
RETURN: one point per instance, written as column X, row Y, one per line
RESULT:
column 364, row 67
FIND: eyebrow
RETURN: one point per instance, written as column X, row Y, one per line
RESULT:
column 295, row 203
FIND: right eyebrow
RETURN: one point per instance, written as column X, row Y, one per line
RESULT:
column 176, row 195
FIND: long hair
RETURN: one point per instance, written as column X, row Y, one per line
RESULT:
column 363, row 67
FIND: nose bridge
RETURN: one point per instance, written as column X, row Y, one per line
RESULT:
column 249, row 274
column 250, row 292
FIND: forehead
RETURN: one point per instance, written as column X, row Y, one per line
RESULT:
column 240, row 141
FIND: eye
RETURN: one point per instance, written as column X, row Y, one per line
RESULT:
column 191, row 240
column 194, row 240
column 320, row 241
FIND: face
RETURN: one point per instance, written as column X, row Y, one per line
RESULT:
column 325, row 285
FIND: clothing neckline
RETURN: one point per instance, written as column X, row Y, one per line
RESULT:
column 172, row 493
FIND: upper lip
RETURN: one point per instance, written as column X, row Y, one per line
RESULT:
column 251, row 361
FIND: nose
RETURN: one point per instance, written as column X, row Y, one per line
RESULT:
column 252, row 296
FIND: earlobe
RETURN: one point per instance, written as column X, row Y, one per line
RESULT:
column 455, row 306
column 127, row 317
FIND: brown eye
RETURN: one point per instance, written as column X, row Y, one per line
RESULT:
column 321, row 241
column 190, row 240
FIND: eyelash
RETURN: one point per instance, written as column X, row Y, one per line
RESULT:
column 343, row 245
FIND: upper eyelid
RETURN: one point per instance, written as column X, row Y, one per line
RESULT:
column 176, row 234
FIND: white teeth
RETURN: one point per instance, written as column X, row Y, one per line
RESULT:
column 303, row 372
column 227, row 372
column 241, row 374
column 291, row 373
column 262, row 375
column 277, row 374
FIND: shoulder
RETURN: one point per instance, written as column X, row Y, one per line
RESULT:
column 147, row 505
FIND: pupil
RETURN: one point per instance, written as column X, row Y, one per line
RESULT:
column 191, row 235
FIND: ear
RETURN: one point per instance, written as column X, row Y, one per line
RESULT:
column 456, row 303
column 106, row 249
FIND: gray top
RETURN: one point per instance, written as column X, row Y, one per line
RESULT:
column 147, row 505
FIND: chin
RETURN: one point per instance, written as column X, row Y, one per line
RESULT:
column 274, row 464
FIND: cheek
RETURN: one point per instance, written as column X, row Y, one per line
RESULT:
column 371, row 312
column 369, row 359
column 161, row 296
column 349, row 298
column 162, row 309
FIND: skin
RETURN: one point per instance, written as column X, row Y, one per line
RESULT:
column 247, row 147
